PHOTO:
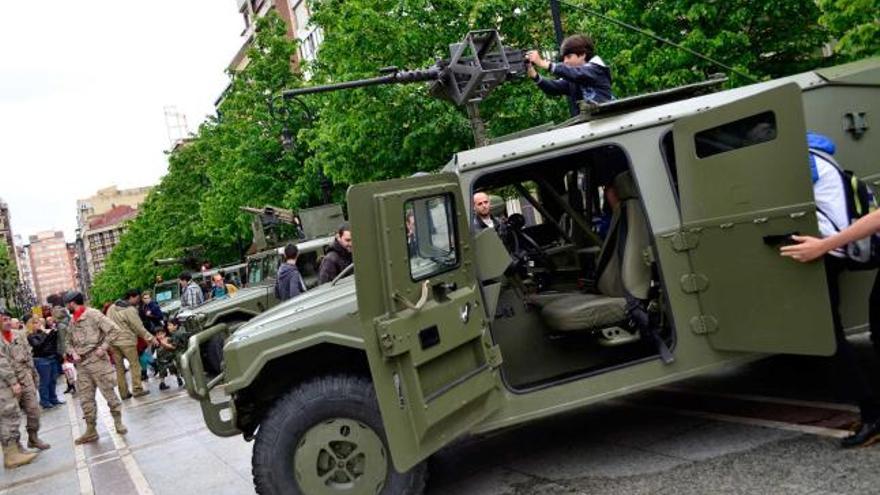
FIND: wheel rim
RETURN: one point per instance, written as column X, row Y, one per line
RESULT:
column 340, row 455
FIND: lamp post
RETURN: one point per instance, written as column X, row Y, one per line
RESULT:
column 288, row 139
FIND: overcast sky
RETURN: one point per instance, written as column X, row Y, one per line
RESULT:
column 82, row 91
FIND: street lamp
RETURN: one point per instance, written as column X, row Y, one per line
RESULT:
column 288, row 139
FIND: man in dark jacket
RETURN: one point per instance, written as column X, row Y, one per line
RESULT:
column 289, row 282
column 151, row 313
column 582, row 74
column 338, row 256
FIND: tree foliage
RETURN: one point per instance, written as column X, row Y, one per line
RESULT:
column 374, row 133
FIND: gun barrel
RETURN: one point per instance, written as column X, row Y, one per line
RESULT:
column 400, row 77
column 167, row 261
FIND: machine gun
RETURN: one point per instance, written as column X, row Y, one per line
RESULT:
column 192, row 259
column 266, row 223
column 476, row 66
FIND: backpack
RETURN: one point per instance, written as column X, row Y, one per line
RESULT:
column 863, row 254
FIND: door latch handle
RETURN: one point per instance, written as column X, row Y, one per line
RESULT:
column 780, row 239
column 420, row 303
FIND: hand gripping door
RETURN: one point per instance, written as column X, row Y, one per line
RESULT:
column 745, row 185
column 432, row 359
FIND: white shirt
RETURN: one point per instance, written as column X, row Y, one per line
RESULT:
column 830, row 199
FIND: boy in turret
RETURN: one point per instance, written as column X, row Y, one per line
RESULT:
column 581, row 75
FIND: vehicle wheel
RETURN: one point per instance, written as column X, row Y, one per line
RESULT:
column 212, row 355
column 326, row 436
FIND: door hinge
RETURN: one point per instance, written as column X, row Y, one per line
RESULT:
column 704, row 324
column 692, row 283
column 493, row 352
column 685, row 241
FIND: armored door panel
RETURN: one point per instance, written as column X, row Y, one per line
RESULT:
column 433, row 362
column 744, row 186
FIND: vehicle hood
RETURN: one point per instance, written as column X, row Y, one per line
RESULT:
column 217, row 305
column 170, row 307
column 323, row 303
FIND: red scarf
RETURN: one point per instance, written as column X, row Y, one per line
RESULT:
column 7, row 336
column 78, row 313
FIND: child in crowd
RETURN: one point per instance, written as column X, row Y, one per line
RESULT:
column 172, row 341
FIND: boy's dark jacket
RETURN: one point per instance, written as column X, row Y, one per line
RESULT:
column 589, row 82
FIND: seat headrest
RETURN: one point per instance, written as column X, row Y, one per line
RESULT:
column 625, row 186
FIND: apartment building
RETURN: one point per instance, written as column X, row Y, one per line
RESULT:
column 296, row 15
column 51, row 264
column 103, row 234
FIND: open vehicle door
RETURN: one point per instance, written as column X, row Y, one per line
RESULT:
column 433, row 362
column 744, row 183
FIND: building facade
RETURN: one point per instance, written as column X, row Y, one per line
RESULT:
column 103, row 234
column 51, row 264
column 105, row 200
column 296, row 15
column 6, row 229
column 90, row 210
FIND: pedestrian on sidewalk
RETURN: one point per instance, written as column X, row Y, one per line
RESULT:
column 21, row 354
column 44, row 342
column 10, row 415
column 125, row 314
column 88, row 344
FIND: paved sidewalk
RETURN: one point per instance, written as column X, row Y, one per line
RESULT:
column 168, row 449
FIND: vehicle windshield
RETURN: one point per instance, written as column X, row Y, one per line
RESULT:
column 263, row 268
column 166, row 292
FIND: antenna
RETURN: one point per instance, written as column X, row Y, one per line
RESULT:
column 175, row 125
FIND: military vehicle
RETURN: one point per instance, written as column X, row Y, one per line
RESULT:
column 445, row 331
column 315, row 226
column 167, row 293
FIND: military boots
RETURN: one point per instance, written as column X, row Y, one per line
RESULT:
column 117, row 422
column 13, row 457
column 90, row 435
column 34, row 441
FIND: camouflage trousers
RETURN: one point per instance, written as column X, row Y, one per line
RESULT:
column 165, row 363
column 130, row 353
column 96, row 373
column 10, row 416
column 29, row 402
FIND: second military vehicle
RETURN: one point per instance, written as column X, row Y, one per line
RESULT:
column 446, row 331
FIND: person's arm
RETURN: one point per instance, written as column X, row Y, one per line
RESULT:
column 7, row 373
column 552, row 87
column 110, row 330
column 810, row 248
column 135, row 322
column 294, row 284
column 327, row 271
column 36, row 339
column 588, row 74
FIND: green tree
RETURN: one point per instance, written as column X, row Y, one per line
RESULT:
column 856, row 26
column 234, row 159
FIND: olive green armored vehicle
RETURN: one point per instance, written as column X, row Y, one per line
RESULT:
column 446, row 331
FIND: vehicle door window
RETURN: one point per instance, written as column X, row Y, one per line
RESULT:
column 430, row 236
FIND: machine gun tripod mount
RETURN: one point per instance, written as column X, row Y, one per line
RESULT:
column 476, row 66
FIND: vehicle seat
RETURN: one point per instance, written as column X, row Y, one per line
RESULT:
column 621, row 270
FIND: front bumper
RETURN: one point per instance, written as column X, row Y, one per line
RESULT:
column 199, row 387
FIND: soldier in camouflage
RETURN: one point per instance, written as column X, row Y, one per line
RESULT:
column 20, row 352
column 10, row 417
column 88, row 343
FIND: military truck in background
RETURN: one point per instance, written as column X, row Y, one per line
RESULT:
column 445, row 331
column 316, row 228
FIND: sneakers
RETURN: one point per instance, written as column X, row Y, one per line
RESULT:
column 162, row 386
column 141, row 393
column 179, row 382
column 126, row 397
column 867, row 434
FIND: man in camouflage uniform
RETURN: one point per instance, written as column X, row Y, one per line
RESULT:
column 10, row 417
column 88, row 342
column 125, row 314
column 21, row 354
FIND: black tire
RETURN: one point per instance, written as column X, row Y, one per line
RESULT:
column 212, row 355
column 315, row 403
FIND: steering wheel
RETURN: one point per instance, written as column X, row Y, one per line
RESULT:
column 524, row 246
